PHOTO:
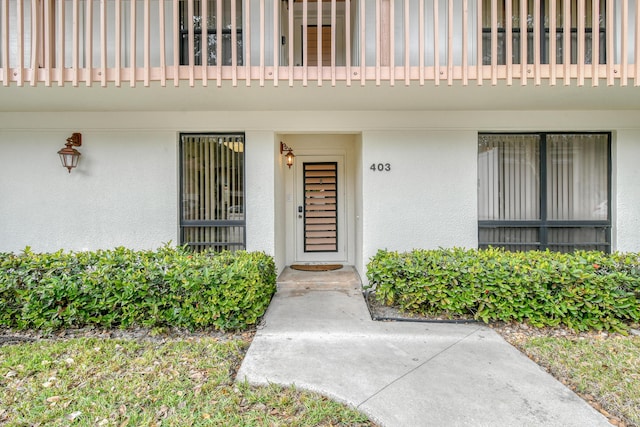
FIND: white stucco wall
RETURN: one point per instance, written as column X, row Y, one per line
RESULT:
column 260, row 199
column 125, row 191
column 626, row 184
column 428, row 198
column 122, row 193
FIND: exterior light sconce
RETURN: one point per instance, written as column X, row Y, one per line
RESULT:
column 69, row 156
column 289, row 153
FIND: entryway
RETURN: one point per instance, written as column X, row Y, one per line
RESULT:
column 320, row 209
column 319, row 204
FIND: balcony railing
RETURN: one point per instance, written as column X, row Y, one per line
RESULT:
column 287, row 41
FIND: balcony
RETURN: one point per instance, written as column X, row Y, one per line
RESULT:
column 298, row 42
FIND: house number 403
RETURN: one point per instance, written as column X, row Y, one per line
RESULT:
column 381, row 167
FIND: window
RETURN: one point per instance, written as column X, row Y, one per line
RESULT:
column 544, row 191
column 212, row 191
column 591, row 25
column 197, row 20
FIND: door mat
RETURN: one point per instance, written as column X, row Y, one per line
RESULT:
column 316, row 267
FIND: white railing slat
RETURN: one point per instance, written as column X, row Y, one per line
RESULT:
column 43, row 42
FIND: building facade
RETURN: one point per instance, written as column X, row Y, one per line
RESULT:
column 413, row 124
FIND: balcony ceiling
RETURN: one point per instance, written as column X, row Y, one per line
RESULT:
column 314, row 98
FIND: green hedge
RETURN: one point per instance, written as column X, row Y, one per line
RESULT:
column 169, row 287
column 582, row 290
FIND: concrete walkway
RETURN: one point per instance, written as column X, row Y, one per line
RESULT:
column 319, row 336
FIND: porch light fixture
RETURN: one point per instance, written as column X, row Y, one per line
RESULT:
column 289, row 155
column 69, row 156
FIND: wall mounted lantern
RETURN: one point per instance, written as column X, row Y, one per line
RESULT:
column 289, row 155
column 69, row 156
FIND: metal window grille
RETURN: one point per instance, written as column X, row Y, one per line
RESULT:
column 212, row 199
column 545, row 191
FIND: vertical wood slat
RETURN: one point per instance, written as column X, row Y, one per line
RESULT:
column 163, row 55
column 118, row 43
column 20, row 42
column 479, row 61
column 624, row 57
column 581, row 16
column 36, row 30
column 103, row 43
column 450, row 44
column 553, row 49
column 436, row 44
column 132, row 46
column 276, row 42
column 566, row 42
column 524, row 35
column 610, row 35
column 262, row 35
column 465, row 36
column 4, row 39
column 421, row 43
column 363, row 36
column 536, row 41
column 48, row 42
column 508, row 35
column 147, row 42
column 290, row 42
column 305, row 36
column 348, row 40
column 190, row 41
column 75, row 61
column 319, row 41
column 176, row 45
column 88, row 43
column 61, row 43
column 218, row 44
column 247, row 41
column 392, row 43
column 378, row 40
column 333, row 42
column 204, row 41
column 407, row 45
column 494, row 42
column 595, row 42
column 636, row 55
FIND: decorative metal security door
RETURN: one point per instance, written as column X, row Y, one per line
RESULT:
column 320, row 182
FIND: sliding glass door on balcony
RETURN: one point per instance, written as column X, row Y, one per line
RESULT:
column 544, row 191
column 561, row 24
column 203, row 17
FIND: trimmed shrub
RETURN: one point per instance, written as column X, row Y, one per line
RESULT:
column 169, row 287
column 582, row 290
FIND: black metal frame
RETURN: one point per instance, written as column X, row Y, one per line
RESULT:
column 544, row 224
column 184, row 224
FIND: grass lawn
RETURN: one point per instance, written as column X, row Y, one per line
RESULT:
column 179, row 382
column 605, row 371
column 184, row 382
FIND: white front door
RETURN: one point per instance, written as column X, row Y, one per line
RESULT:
column 320, row 217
